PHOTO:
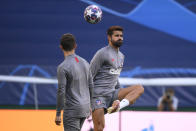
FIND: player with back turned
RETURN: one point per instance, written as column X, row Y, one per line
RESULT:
column 74, row 87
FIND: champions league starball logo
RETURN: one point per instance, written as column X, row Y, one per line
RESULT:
column 93, row 14
column 98, row 102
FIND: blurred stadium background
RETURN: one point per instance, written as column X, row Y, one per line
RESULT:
column 159, row 42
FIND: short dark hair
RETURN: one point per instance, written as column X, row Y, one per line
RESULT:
column 114, row 28
column 68, row 42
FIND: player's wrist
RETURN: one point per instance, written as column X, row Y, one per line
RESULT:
column 58, row 113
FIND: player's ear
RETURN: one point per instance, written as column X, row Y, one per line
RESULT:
column 61, row 47
column 109, row 38
column 75, row 46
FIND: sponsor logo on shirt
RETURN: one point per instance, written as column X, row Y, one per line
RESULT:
column 76, row 59
column 115, row 71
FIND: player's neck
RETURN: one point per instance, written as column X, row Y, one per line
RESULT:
column 114, row 47
column 67, row 53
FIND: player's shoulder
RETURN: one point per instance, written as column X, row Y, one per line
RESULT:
column 81, row 59
column 175, row 98
column 160, row 98
column 102, row 51
column 121, row 54
column 61, row 67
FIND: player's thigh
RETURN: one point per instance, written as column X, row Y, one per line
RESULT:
column 71, row 123
column 98, row 117
column 69, row 128
column 82, row 122
column 124, row 91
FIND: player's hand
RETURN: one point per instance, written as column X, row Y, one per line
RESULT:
column 58, row 120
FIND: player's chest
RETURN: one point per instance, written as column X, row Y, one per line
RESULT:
column 114, row 61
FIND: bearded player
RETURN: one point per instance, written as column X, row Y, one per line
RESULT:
column 106, row 66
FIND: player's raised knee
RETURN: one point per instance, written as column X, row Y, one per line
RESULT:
column 138, row 88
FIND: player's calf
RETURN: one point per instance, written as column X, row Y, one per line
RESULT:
column 128, row 96
column 98, row 119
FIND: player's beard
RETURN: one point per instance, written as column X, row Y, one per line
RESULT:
column 117, row 43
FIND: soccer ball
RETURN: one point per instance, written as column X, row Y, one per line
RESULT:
column 93, row 14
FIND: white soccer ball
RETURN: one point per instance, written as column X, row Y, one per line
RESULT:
column 93, row 14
